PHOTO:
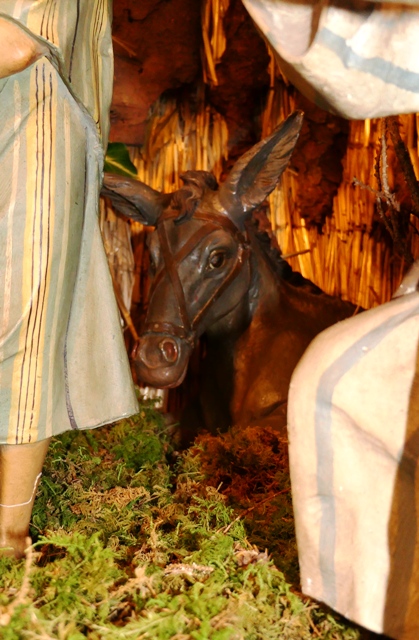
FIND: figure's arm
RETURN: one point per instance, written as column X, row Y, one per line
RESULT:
column 18, row 49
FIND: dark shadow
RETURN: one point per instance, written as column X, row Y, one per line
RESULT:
column 364, row 634
column 403, row 584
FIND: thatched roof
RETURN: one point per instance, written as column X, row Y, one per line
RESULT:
column 336, row 232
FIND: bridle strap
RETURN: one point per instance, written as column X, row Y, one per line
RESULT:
column 243, row 252
column 186, row 330
column 169, row 261
column 168, row 328
column 187, row 248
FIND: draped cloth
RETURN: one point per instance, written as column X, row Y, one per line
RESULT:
column 353, row 408
column 63, row 364
column 358, row 59
column 353, row 418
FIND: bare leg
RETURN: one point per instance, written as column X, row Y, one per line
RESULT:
column 20, row 471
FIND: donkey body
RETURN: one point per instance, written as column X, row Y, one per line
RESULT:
column 212, row 276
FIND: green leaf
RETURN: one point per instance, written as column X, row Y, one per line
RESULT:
column 117, row 160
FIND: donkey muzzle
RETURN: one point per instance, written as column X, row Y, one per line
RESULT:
column 161, row 360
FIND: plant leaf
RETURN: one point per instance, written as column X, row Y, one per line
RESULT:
column 117, row 160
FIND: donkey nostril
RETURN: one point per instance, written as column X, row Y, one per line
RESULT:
column 169, row 350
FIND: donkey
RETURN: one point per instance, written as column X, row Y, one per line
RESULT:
column 211, row 275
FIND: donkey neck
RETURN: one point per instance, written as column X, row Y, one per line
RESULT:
column 222, row 362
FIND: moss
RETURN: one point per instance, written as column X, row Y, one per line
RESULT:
column 128, row 545
column 250, row 466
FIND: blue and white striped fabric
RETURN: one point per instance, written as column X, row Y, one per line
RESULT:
column 359, row 62
column 353, row 421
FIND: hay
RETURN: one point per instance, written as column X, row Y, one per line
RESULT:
column 344, row 257
column 179, row 139
column 116, row 236
column 213, row 36
column 347, row 256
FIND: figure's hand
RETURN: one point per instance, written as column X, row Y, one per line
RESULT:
column 17, row 49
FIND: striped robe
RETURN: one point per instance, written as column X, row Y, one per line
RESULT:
column 353, row 424
column 63, row 364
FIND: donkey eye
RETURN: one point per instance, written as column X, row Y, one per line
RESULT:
column 216, row 259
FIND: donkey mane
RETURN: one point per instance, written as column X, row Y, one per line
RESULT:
column 187, row 198
column 260, row 228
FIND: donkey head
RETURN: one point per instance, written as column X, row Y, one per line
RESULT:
column 199, row 254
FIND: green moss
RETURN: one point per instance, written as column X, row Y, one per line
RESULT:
column 129, row 546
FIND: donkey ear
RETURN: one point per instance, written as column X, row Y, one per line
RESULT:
column 257, row 172
column 133, row 198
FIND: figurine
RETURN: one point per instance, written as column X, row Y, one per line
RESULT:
column 63, row 364
column 212, row 276
column 353, row 432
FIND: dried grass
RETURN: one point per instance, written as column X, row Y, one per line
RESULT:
column 346, row 257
